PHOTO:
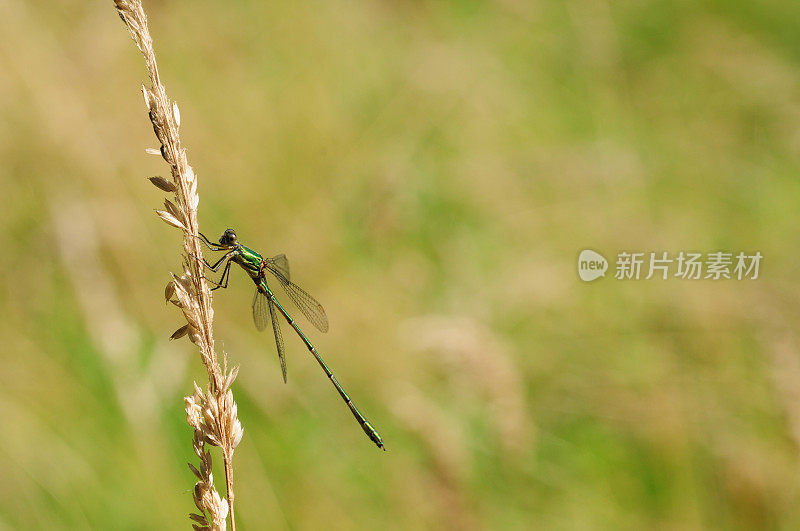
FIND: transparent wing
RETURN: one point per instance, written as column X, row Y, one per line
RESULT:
column 312, row 309
column 263, row 312
column 280, row 263
column 276, row 327
column 260, row 310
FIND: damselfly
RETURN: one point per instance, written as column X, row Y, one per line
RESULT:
column 265, row 306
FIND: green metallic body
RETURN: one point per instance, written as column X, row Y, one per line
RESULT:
column 250, row 261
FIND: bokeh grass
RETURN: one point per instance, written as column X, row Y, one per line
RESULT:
column 432, row 169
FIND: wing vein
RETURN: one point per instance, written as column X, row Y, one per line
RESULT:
column 307, row 304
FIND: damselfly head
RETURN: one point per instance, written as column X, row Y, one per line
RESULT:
column 228, row 238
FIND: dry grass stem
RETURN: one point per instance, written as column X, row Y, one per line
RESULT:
column 212, row 412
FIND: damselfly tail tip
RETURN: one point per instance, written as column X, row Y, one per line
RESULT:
column 379, row 442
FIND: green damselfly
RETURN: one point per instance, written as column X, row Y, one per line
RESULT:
column 265, row 306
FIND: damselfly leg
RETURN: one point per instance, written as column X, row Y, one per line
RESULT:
column 224, row 278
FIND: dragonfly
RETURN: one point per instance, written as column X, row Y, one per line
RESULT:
column 266, row 307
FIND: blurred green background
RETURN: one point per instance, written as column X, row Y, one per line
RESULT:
column 432, row 170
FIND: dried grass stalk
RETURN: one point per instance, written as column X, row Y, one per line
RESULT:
column 211, row 413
